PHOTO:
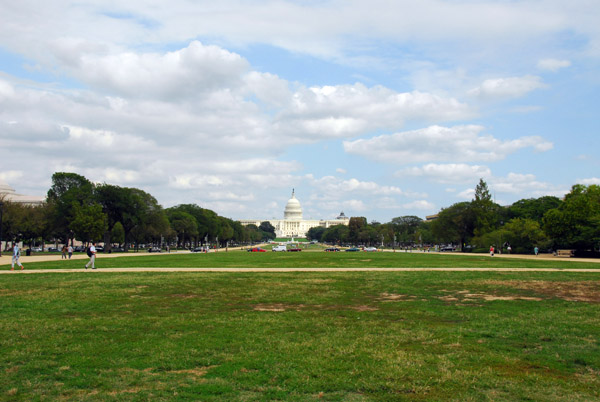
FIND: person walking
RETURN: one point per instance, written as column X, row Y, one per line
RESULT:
column 491, row 251
column 64, row 253
column 70, row 251
column 535, row 251
column 91, row 252
column 15, row 257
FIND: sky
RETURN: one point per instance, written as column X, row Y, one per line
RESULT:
column 375, row 108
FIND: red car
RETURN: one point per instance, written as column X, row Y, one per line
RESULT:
column 257, row 250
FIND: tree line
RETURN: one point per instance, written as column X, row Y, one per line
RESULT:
column 548, row 223
column 77, row 209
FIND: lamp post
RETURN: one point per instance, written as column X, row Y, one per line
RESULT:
column 1, row 205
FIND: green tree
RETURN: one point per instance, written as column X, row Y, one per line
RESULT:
column 267, row 228
column 533, row 208
column 355, row 225
column 117, row 234
column 315, row 233
column 184, row 224
column 484, row 210
column 337, row 234
column 454, row 224
column 67, row 190
column 89, row 222
column 576, row 222
column 405, row 228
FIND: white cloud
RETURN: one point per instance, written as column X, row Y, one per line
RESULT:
column 589, row 181
column 447, row 173
column 444, row 144
column 419, row 205
column 553, row 64
column 507, row 88
column 341, row 171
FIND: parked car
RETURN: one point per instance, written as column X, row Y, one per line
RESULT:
column 448, row 248
column 280, row 248
column 371, row 249
column 332, row 249
column 154, row 250
column 117, row 249
column 200, row 249
column 294, row 249
column 257, row 250
column 36, row 249
column 52, row 249
column 351, row 249
column 99, row 249
column 79, row 249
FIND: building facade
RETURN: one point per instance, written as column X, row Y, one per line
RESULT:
column 292, row 224
column 7, row 193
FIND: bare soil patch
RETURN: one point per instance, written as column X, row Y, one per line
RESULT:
column 580, row 291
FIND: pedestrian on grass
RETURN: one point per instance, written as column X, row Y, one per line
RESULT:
column 15, row 257
column 91, row 252
column 64, row 253
column 491, row 251
column 70, row 251
column 535, row 251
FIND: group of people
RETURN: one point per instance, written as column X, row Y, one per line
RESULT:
column 91, row 252
column 67, row 250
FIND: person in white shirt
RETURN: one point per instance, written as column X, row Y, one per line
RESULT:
column 92, row 254
column 70, row 251
column 15, row 257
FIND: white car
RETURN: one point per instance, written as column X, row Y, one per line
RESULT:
column 280, row 248
column 371, row 249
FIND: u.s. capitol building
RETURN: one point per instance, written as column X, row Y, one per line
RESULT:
column 292, row 224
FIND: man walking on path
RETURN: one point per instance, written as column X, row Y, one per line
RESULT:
column 15, row 257
column 92, row 254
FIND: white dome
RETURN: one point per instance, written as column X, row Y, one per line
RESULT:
column 5, row 188
column 293, row 210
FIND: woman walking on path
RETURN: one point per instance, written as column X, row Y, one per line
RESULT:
column 15, row 257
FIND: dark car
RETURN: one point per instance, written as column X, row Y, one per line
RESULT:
column 294, row 249
column 198, row 250
column 332, row 249
column 352, row 249
column 154, row 250
column 52, row 249
column 99, row 249
column 448, row 248
column 79, row 249
column 257, row 250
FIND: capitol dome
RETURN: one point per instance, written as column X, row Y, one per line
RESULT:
column 293, row 210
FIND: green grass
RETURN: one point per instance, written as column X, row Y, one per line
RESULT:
column 348, row 336
column 242, row 259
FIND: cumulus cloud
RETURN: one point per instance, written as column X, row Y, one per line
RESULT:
column 553, row 64
column 445, row 144
column 446, row 173
column 347, row 110
column 589, row 181
column 507, row 88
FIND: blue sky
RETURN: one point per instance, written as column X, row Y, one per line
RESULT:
column 375, row 108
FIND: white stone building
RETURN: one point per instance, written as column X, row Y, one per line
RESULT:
column 292, row 224
column 7, row 193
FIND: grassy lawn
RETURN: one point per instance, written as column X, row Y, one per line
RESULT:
column 347, row 336
column 242, row 259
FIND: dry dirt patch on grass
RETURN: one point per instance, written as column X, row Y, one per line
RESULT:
column 387, row 297
column 580, row 291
